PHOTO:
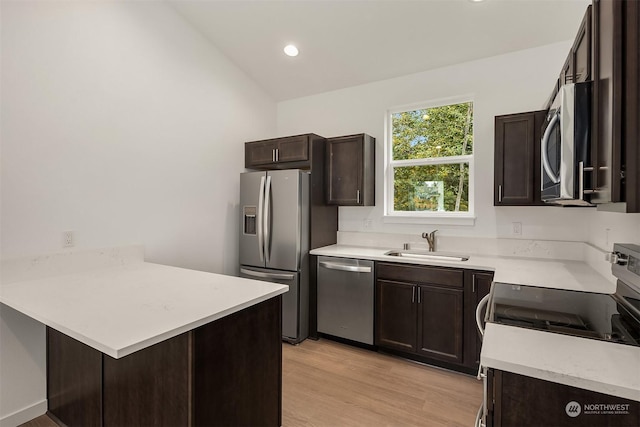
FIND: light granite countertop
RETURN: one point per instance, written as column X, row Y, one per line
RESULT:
column 561, row 274
column 124, row 308
column 594, row 365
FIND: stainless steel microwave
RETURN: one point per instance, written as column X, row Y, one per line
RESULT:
column 566, row 147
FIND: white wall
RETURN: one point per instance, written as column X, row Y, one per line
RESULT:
column 607, row 228
column 515, row 82
column 122, row 123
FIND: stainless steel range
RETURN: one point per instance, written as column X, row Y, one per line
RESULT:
column 609, row 317
column 614, row 318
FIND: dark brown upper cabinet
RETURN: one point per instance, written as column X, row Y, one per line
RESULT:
column 350, row 170
column 577, row 67
column 289, row 152
column 616, row 105
column 517, row 159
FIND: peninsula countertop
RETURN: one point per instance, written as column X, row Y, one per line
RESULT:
column 122, row 309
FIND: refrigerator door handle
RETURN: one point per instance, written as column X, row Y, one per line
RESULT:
column 260, row 221
column 267, row 219
column 281, row 276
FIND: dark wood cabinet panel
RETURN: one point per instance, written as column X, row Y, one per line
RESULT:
column 517, row 159
column 259, row 153
column 293, row 149
column 248, row 345
column 396, row 315
column 225, row 373
column 150, row 387
column 519, row 400
column 440, row 323
column 581, row 50
column 420, row 313
column 74, row 381
column 350, row 175
column 420, row 274
column 288, row 152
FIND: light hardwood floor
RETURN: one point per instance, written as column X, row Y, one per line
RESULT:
column 325, row 383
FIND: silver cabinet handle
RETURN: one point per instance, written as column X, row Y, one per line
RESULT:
column 358, row 196
column 546, row 166
column 500, row 193
column 413, row 295
column 273, row 155
column 267, row 275
column 473, row 283
column 344, row 267
column 277, row 154
column 419, row 294
column 481, row 305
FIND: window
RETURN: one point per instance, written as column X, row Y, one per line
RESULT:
column 430, row 161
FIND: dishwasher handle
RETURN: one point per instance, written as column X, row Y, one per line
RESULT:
column 344, row 267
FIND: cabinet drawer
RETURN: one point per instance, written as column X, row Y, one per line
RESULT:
column 421, row 274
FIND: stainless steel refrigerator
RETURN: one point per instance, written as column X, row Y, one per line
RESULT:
column 274, row 240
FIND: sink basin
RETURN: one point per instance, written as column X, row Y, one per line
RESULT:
column 435, row 256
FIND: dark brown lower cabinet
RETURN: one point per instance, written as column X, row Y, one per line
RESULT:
column 519, row 400
column 225, row 373
column 440, row 323
column 419, row 311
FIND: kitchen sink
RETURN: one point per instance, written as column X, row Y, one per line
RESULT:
column 425, row 255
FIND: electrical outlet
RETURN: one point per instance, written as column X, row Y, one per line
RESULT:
column 67, row 239
column 516, row 228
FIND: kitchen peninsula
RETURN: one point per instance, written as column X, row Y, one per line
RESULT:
column 142, row 343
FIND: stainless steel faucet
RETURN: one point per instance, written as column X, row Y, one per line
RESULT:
column 431, row 239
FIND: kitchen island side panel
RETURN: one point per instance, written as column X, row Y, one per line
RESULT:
column 225, row 373
column 74, row 381
column 150, row 386
column 238, row 368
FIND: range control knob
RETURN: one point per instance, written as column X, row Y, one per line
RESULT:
column 618, row 258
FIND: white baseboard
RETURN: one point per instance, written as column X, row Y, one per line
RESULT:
column 24, row 415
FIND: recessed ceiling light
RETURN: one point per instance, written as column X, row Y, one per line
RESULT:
column 291, row 50
column 475, row 1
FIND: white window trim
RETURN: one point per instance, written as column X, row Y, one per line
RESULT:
column 425, row 217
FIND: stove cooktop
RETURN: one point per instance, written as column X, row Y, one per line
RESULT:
column 582, row 314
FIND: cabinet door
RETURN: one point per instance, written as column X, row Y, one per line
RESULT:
column 440, row 332
column 259, row 153
column 344, row 175
column 293, row 149
column 526, row 401
column 396, row 315
column 517, row 159
column 350, row 177
column 581, row 50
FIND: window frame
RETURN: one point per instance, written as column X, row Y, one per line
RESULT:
column 429, row 217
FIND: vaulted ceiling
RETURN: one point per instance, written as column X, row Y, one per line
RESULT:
column 346, row 43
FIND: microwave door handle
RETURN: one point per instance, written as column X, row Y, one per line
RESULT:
column 543, row 149
column 260, row 220
column 267, row 219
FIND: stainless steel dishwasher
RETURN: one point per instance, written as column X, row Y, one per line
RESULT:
column 346, row 291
